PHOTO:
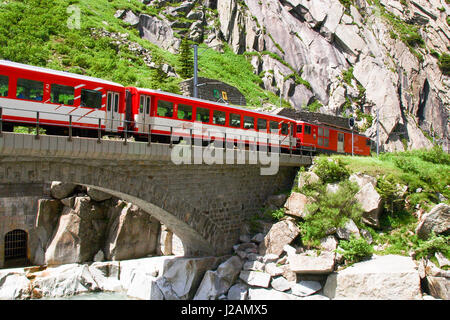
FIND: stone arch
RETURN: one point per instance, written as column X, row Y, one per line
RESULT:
column 205, row 205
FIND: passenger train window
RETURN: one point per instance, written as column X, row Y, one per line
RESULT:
column 141, row 105
column 62, row 94
column 274, row 127
column 320, row 131
column 284, row 128
column 30, row 89
column 235, row 120
column 320, row 141
column 203, row 115
column 299, row 128
column 147, row 111
column 165, row 109
column 91, row 99
column 184, row 112
column 262, row 124
column 368, row 142
column 4, row 83
column 307, row 129
column 249, row 122
column 326, row 132
column 219, row 117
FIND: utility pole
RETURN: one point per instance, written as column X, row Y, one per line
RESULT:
column 195, row 71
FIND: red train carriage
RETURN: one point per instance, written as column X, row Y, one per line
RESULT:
column 327, row 139
column 56, row 95
column 160, row 111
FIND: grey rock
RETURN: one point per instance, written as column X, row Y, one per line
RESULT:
column 437, row 221
column 254, row 278
column 280, row 284
column 382, row 277
column 306, row 288
column 238, row 292
column 60, row 190
column 280, row 234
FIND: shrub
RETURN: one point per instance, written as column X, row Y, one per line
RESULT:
column 428, row 248
column 330, row 210
column 387, row 188
column 355, row 250
column 331, row 171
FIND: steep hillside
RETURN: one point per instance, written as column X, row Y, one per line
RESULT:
column 340, row 57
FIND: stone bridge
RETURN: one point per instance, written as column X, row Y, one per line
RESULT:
column 205, row 205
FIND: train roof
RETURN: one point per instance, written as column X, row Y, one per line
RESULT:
column 212, row 102
column 58, row 73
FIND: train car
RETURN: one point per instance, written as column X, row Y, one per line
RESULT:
column 59, row 98
column 164, row 114
column 319, row 138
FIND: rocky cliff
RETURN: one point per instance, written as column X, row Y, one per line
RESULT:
column 352, row 57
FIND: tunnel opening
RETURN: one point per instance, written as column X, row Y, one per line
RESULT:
column 16, row 248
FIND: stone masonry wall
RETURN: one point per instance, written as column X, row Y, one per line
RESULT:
column 205, row 205
column 18, row 208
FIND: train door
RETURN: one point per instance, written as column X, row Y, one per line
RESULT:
column 112, row 120
column 340, row 144
column 144, row 113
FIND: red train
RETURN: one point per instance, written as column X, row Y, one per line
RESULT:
column 59, row 100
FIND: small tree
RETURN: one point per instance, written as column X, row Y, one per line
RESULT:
column 185, row 59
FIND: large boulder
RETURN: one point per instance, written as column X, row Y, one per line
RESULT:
column 46, row 222
column 255, row 278
column 371, row 204
column 65, row 280
column 439, row 287
column 131, row 234
column 61, row 190
column 296, row 205
column 383, row 277
column 279, row 235
column 437, row 221
column 311, row 263
column 97, row 195
column 307, row 178
column 182, row 276
column 144, row 287
column 79, row 234
column 14, row 285
column 216, row 283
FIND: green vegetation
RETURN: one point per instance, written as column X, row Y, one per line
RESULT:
column 408, row 33
column 330, row 171
column 329, row 210
column 36, row 32
column 355, row 250
column 444, row 63
column 347, row 76
column 185, row 59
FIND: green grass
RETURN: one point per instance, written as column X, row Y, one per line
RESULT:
column 36, row 32
column 425, row 169
column 237, row 71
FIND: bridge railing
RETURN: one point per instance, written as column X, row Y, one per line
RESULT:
column 271, row 139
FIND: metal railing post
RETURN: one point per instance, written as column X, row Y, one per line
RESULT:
column 171, row 138
column 37, row 125
column 125, row 132
column 70, row 128
column 1, row 121
column 99, row 137
column 149, row 135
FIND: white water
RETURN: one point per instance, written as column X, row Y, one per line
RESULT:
column 95, row 296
